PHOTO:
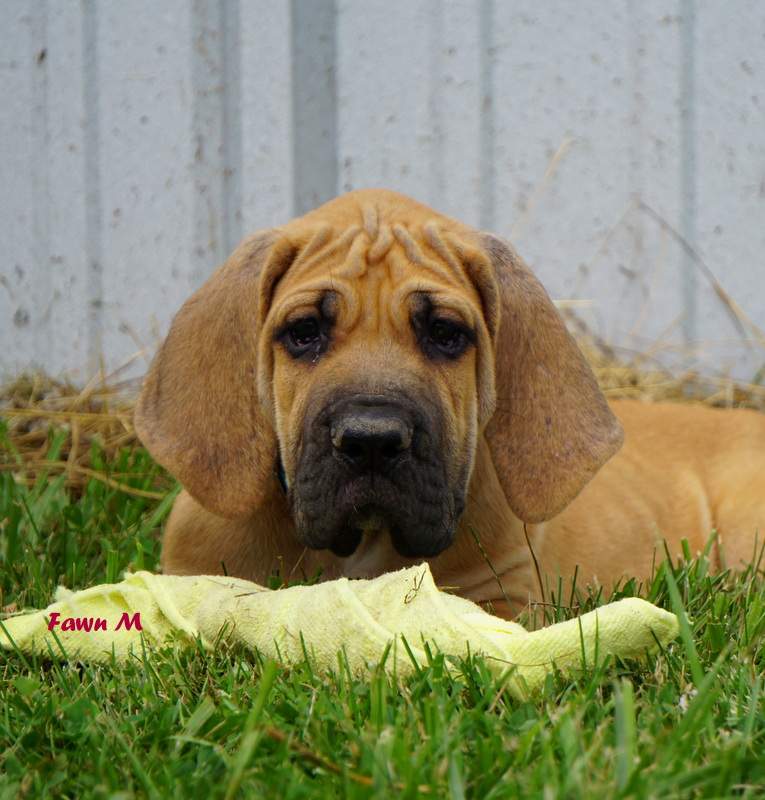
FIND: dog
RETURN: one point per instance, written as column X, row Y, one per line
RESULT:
column 374, row 384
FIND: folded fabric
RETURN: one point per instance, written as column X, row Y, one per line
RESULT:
column 363, row 618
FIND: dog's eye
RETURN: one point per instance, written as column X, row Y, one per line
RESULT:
column 446, row 336
column 304, row 332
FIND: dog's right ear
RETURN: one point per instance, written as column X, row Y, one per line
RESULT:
column 198, row 412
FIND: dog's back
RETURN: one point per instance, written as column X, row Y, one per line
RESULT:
column 683, row 472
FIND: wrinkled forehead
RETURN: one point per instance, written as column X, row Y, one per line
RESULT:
column 382, row 258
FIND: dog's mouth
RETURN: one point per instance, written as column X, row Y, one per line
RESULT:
column 371, row 519
column 374, row 521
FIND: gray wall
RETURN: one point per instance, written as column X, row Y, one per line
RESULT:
column 620, row 145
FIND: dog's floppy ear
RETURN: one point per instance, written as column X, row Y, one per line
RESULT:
column 198, row 412
column 552, row 428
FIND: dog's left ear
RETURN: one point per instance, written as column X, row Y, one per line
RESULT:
column 551, row 429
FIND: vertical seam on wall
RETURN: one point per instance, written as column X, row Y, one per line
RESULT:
column 688, row 170
column 92, row 158
column 40, row 171
column 488, row 136
column 208, row 230
column 233, row 153
column 216, row 132
column 314, row 103
column 436, row 157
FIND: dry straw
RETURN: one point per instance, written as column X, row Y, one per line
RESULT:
column 639, row 374
column 99, row 415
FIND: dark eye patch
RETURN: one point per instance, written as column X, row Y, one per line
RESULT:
column 439, row 333
column 308, row 334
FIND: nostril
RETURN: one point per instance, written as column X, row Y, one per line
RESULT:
column 392, row 450
column 352, row 450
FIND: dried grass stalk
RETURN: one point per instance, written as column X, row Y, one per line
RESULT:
column 34, row 406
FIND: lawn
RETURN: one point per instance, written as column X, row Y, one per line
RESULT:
column 80, row 502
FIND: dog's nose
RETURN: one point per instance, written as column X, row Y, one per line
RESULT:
column 370, row 439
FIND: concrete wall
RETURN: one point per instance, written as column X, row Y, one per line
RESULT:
column 620, row 145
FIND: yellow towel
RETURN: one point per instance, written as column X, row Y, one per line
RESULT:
column 362, row 618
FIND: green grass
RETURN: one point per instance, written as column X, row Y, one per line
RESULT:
column 689, row 723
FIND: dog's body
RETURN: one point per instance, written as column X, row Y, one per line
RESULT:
column 374, row 384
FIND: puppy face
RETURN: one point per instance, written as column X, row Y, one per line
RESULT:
column 361, row 350
column 369, row 360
